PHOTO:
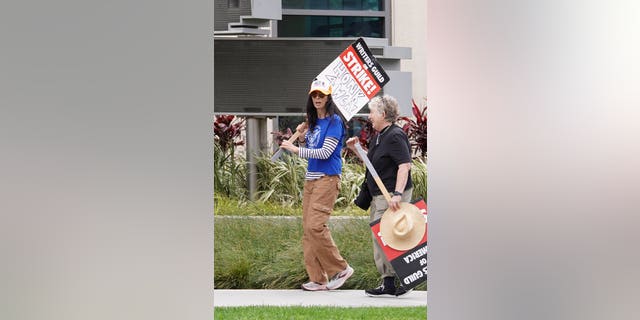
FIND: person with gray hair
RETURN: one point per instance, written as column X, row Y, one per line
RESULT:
column 390, row 153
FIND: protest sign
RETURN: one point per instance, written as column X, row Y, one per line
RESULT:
column 410, row 265
column 355, row 77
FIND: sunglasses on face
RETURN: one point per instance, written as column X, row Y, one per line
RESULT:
column 318, row 94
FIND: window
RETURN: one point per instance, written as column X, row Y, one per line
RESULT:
column 375, row 5
column 330, row 26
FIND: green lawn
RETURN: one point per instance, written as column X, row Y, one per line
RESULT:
column 224, row 206
column 320, row 313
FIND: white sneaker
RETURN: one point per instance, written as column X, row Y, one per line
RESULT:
column 313, row 286
column 338, row 280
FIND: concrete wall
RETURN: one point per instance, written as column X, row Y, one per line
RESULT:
column 410, row 30
column 272, row 76
column 269, row 76
column 223, row 14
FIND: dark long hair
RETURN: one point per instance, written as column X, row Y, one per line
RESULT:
column 312, row 113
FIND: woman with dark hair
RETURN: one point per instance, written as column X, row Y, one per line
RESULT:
column 325, row 266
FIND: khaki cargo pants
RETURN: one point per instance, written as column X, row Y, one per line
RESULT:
column 322, row 258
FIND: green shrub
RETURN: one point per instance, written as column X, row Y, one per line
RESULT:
column 351, row 180
column 229, row 173
column 266, row 253
column 419, row 178
column 281, row 182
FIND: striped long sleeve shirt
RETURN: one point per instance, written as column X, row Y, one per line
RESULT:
column 325, row 152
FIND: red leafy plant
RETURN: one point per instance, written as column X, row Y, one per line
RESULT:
column 227, row 131
column 417, row 129
column 229, row 172
column 279, row 136
column 366, row 131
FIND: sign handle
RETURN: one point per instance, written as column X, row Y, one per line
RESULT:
column 278, row 153
column 373, row 172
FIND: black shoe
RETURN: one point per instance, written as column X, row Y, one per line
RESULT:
column 380, row 291
column 401, row 290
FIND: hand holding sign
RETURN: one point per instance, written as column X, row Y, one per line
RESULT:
column 410, row 264
column 302, row 128
column 278, row 153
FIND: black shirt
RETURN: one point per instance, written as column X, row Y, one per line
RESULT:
column 387, row 150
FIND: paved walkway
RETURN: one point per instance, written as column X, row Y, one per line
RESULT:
column 339, row 298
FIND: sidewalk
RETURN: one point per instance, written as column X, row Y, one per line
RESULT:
column 338, row 298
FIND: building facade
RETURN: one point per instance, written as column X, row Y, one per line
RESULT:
column 266, row 52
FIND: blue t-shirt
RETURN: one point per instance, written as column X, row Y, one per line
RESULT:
column 326, row 127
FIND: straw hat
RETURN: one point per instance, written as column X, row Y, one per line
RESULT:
column 404, row 228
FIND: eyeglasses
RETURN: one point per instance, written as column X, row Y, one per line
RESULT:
column 317, row 94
